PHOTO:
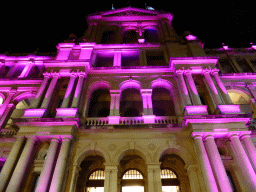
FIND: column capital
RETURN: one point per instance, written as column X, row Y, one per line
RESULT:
column 47, row 75
column 66, row 138
column 146, row 91
column 191, row 167
column 179, row 72
column 32, row 138
column 245, row 135
column 208, row 136
column 115, row 92
column 197, row 136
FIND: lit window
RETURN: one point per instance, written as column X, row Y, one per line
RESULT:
column 132, row 174
column 1, row 100
column 167, row 174
column 97, row 175
column 170, row 182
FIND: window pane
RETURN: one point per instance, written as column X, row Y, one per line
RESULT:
column 96, row 175
column 167, row 174
column 170, row 189
column 132, row 174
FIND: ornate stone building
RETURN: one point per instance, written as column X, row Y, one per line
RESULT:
column 131, row 106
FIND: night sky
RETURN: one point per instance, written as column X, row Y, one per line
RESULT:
column 42, row 25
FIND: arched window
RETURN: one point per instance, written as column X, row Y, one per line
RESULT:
column 96, row 181
column 132, row 180
column 99, row 104
column 170, row 182
column 131, row 103
column 162, row 102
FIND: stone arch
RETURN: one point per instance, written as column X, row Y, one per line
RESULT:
column 130, row 84
column 22, row 96
column 140, row 151
column 175, row 149
column 98, row 85
column 161, row 83
column 87, row 151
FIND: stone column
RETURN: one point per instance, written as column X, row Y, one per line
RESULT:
column 75, row 174
column 60, row 168
column 66, row 100
column 44, row 179
column 21, row 167
column 6, row 115
column 212, row 86
column 115, row 102
column 10, row 163
column 250, row 148
column 78, row 90
column 40, row 92
column 243, row 162
column 113, row 183
column 183, row 90
column 193, row 178
column 157, row 177
column 150, row 180
column 147, row 101
column 117, row 58
column 107, row 181
column 195, row 96
column 206, row 169
column 217, row 164
column 50, row 91
column 222, row 88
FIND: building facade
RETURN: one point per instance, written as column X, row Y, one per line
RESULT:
column 130, row 106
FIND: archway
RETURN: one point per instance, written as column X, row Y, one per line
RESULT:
column 162, row 102
column 131, row 103
column 99, row 104
column 91, row 176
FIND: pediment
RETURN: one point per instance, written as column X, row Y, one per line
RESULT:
column 129, row 12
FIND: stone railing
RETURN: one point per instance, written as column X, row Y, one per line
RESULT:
column 96, row 121
column 166, row 120
column 5, row 133
column 131, row 120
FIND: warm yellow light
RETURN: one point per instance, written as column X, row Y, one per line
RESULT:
column 95, row 189
column 170, row 189
column 133, row 189
column 1, row 100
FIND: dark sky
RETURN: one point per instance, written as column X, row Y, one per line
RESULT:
column 27, row 27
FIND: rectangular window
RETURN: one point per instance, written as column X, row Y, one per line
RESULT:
column 156, row 58
column 130, row 58
column 74, row 54
column 104, row 60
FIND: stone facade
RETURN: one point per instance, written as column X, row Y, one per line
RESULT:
column 130, row 94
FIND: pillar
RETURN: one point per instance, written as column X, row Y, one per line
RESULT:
column 21, row 167
column 195, row 96
column 243, row 162
column 150, row 180
column 66, row 100
column 117, row 58
column 60, row 167
column 246, row 139
column 184, row 91
column 44, row 179
column 50, row 91
column 115, row 102
column 206, row 169
column 78, row 90
column 10, row 163
column 193, row 178
column 113, row 184
column 217, row 164
column 147, row 101
column 75, row 172
column 39, row 95
column 213, row 89
column 222, row 88
column 107, row 180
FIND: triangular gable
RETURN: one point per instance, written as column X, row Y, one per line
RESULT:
column 128, row 11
